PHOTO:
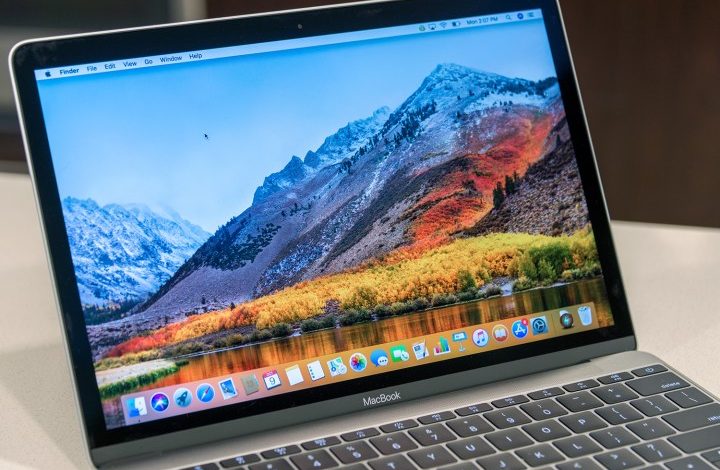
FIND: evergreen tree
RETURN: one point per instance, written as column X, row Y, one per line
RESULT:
column 498, row 195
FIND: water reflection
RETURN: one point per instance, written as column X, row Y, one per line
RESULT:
column 391, row 329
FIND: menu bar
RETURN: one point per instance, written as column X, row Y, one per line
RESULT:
column 260, row 48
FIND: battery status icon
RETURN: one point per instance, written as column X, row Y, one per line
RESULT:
column 455, row 24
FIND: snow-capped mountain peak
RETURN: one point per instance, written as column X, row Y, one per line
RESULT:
column 125, row 252
column 340, row 145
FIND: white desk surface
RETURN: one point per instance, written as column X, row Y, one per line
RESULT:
column 669, row 272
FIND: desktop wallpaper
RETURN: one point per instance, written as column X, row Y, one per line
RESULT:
column 236, row 213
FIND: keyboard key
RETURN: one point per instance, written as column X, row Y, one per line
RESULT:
column 655, row 451
column 654, row 384
column 436, row 417
column 240, row 460
column 393, row 443
column 689, row 398
column 316, row 459
column 695, row 441
column 507, row 418
column 619, row 460
column 580, row 401
column 617, row 393
column 470, row 426
column 546, row 393
column 503, row 461
column 321, row 442
column 690, row 463
column 544, row 409
column 399, row 425
column 582, row 385
column 712, row 456
column 542, row 454
column 582, row 464
column 204, row 466
column 583, row 422
column 509, row 439
column 546, row 430
column 277, row 464
column 651, row 429
column 471, row 448
column 615, row 378
column 649, row 370
column 433, row 434
column 694, row 417
column 619, row 414
column 577, row 446
column 432, row 457
column 614, row 437
column 280, row 452
column 396, row 462
column 654, row 406
column 353, row 452
column 510, row 401
column 473, row 409
column 360, row 434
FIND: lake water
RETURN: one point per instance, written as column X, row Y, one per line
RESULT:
column 386, row 330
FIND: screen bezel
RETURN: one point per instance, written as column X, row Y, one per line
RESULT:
column 29, row 56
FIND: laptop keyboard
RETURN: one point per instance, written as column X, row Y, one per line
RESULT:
column 647, row 417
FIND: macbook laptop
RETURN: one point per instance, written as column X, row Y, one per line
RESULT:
column 369, row 236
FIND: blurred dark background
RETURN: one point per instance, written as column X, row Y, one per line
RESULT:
column 649, row 71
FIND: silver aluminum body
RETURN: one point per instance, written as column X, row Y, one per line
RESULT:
column 409, row 409
column 232, row 438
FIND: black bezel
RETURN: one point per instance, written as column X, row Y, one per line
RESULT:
column 218, row 33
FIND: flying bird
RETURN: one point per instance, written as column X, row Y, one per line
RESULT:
column 206, row 136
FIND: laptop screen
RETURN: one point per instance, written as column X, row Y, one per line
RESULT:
column 248, row 222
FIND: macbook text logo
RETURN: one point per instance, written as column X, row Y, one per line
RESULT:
column 382, row 398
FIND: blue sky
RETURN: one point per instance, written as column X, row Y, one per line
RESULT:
column 137, row 136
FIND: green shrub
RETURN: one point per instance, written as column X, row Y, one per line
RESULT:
column 556, row 254
column 466, row 281
column 467, row 295
column 523, row 284
column 281, row 330
column 492, row 291
column 353, row 316
column 191, row 347
column 546, row 273
column 260, row 335
column 526, row 267
column 382, row 311
column 419, row 304
column 310, row 325
column 438, row 300
column 400, row 308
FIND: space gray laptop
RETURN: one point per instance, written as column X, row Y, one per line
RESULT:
column 370, row 236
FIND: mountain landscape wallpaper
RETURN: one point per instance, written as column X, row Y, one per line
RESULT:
column 464, row 190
